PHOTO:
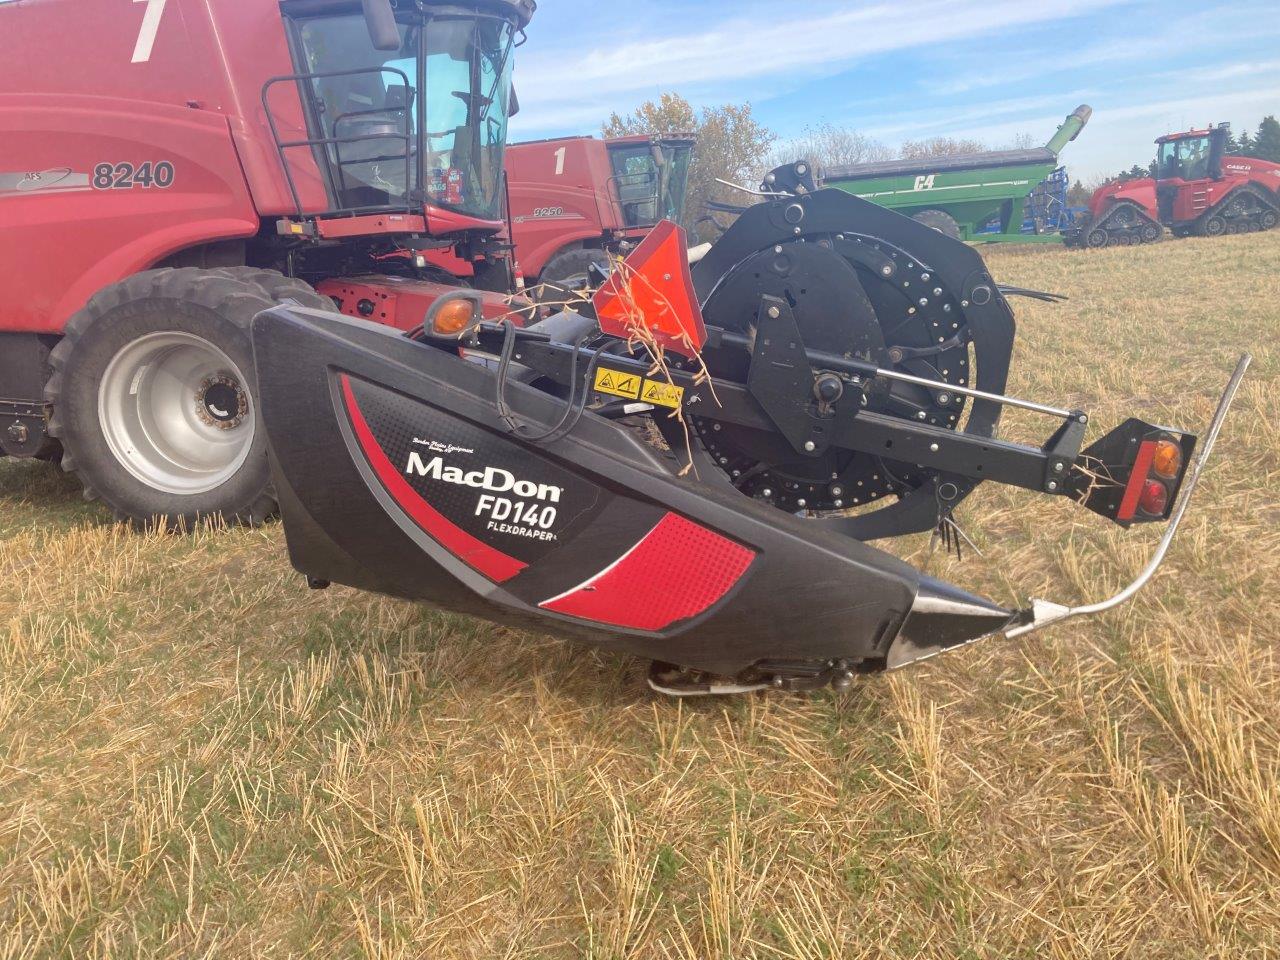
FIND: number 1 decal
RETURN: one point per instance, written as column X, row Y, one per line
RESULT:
column 560, row 161
column 147, row 34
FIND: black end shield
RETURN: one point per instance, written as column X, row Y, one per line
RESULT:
column 396, row 474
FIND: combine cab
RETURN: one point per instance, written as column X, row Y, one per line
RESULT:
column 1199, row 191
column 577, row 201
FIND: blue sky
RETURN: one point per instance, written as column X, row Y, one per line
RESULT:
column 990, row 69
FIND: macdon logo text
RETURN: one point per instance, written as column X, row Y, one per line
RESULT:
column 492, row 479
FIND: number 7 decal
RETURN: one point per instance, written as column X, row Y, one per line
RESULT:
column 147, row 35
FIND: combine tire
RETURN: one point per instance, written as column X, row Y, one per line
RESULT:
column 944, row 223
column 566, row 275
column 280, row 288
column 570, row 268
column 152, row 396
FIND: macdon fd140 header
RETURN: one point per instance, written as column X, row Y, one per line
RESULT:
column 691, row 470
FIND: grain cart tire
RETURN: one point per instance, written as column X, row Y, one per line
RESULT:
column 944, row 223
column 152, row 398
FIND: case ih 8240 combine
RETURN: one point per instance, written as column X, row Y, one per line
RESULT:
column 690, row 470
column 171, row 167
column 1198, row 190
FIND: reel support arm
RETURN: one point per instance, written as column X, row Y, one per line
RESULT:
column 1045, row 469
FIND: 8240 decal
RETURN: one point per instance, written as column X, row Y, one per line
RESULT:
column 126, row 176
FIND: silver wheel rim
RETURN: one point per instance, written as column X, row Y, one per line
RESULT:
column 175, row 412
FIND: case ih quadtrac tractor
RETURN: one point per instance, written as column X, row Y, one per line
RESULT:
column 172, row 167
column 1199, row 190
column 576, row 201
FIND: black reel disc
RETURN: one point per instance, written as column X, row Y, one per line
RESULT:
column 858, row 297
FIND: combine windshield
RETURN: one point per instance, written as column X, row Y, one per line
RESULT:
column 675, row 177
column 425, row 123
column 650, row 180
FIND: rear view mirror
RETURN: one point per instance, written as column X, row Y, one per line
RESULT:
column 381, row 21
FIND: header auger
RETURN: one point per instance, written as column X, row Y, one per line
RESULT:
column 692, row 469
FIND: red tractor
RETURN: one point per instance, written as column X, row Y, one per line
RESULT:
column 1199, row 191
column 173, row 167
column 576, row 200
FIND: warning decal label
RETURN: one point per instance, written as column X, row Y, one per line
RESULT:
column 662, row 394
column 618, row 384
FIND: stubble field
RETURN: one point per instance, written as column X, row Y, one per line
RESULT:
column 201, row 758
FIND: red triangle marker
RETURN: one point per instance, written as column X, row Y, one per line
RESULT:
column 653, row 289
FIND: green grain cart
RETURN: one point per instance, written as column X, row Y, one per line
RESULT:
column 961, row 195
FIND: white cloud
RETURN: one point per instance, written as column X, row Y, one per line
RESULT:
column 559, row 86
column 1021, row 114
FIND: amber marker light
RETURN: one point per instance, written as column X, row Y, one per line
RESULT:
column 1167, row 460
column 454, row 318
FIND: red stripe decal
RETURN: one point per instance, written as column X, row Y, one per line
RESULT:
column 677, row 571
column 1141, row 470
column 494, row 564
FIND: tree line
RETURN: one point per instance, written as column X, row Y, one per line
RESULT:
column 734, row 146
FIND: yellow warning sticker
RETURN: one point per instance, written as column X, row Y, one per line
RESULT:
column 662, row 394
column 617, row 383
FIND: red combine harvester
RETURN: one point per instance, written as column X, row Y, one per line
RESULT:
column 1199, row 191
column 576, row 200
column 173, row 167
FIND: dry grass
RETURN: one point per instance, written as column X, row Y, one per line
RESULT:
column 199, row 758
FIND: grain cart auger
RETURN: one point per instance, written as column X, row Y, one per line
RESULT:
column 830, row 373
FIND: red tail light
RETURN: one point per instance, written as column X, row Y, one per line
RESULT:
column 1154, row 499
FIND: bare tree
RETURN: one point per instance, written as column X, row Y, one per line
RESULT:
column 940, row 147
column 828, row 145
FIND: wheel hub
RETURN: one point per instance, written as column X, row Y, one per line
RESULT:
column 173, row 410
column 221, row 402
